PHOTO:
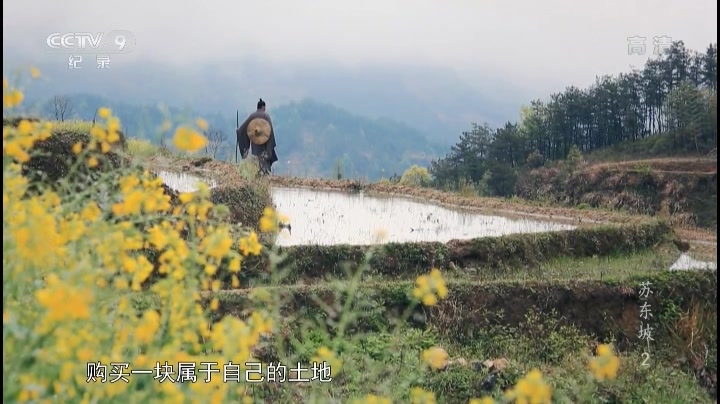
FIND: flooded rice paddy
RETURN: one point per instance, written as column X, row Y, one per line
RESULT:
column 182, row 182
column 687, row 263
column 328, row 217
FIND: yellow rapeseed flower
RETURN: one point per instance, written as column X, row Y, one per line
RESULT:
column 25, row 127
column 324, row 354
column 234, row 265
column 263, row 324
column 202, row 124
column 210, row 269
column 36, row 234
column 14, row 150
column 269, row 220
column 218, row 244
column 104, row 112
column 49, row 233
column 531, row 389
column 420, row 396
column 436, row 357
column 372, row 399
column 91, row 212
column 149, row 325
column 92, row 162
column 121, row 283
column 13, row 98
column 63, row 301
column 189, row 140
column 604, row 350
column 129, row 182
column 142, row 273
column 429, row 288
column 185, row 197
column 250, row 245
column 484, row 400
column 34, row 72
column 104, row 147
column 113, row 137
column 606, row 364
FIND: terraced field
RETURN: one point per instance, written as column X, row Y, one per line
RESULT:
column 527, row 288
column 407, row 294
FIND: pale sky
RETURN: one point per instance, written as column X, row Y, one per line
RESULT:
column 535, row 43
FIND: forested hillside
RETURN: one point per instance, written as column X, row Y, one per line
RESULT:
column 558, row 152
column 670, row 105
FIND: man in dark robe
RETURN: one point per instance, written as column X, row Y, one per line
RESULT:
column 265, row 153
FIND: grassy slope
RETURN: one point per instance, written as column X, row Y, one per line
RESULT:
column 653, row 147
column 646, row 176
column 549, row 320
column 681, row 188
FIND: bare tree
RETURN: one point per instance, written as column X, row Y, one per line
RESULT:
column 61, row 107
column 215, row 138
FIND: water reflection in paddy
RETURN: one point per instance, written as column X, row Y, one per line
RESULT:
column 323, row 217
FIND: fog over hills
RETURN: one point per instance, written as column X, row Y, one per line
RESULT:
column 436, row 102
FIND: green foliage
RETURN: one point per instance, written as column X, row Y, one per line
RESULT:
column 493, row 254
column 550, row 326
column 245, row 202
column 415, row 176
column 534, row 160
column 500, row 180
column 249, row 168
column 142, row 149
column 54, row 158
column 669, row 107
column 545, row 334
column 691, row 117
column 73, row 126
column 574, row 158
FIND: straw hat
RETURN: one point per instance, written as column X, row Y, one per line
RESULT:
column 258, row 131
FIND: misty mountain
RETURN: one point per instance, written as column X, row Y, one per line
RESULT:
column 314, row 138
column 320, row 139
column 434, row 101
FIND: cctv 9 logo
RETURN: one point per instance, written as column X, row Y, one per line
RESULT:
column 113, row 42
